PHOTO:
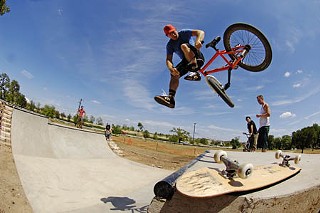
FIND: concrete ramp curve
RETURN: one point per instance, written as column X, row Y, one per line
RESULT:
column 66, row 170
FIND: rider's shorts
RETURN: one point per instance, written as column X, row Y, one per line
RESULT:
column 184, row 67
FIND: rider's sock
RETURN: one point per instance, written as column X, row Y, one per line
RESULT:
column 172, row 92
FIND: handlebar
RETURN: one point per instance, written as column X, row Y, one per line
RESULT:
column 247, row 134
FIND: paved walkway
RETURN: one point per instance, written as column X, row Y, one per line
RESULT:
column 67, row 170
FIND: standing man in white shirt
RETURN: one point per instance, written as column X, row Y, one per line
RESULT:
column 264, row 120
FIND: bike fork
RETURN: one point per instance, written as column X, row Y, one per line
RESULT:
column 227, row 85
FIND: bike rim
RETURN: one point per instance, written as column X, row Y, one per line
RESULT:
column 257, row 53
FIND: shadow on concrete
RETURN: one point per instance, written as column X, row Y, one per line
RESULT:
column 124, row 204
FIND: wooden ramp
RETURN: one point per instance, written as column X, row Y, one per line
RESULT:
column 208, row 182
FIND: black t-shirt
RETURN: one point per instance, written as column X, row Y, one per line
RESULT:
column 108, row 127
column 254, row 127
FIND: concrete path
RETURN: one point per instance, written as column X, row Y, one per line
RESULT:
column 67, row 170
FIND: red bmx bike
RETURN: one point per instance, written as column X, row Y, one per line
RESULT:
column 247, row 48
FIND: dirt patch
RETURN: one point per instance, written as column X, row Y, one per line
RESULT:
column 12, row 196
column 157, row 154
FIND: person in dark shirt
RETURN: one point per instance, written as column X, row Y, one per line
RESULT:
column 108, row 132
column 252, row 130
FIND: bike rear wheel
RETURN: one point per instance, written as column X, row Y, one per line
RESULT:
column 259, row 56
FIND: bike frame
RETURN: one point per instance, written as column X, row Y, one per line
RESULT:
column 230, row 64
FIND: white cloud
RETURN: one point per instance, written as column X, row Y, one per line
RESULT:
column 312, row 115
column 137, row 94
column 96, row 102
column 299, row 71
column 287, row 115
column 298, row 99
column 60, row 12
column 27, row 74
column 214, row 127
column 297, row 85
column 287, row 74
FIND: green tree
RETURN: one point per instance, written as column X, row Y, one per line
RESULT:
column 49, row 111
column 31, row 106
column 315, row 135
column 99, row 121
column 57, row 114
column 277, row 143
column 307, row 137
column 174, row 138
column 271, row 142
column 300, row 139
column 204, row 141
column 14, row 96
column 146, row 134
column 116, row 129
column 181, row 134
column 3, row 7
column 92, row 119
column 4, row 85
column 155, row 136
column 235, row 143
column 140, row 126
column 286, row 142
column 62, row 115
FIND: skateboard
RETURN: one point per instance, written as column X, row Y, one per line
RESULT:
column 216, row 86
column 211, row 182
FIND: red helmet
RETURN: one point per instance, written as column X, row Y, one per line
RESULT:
column 168, row 29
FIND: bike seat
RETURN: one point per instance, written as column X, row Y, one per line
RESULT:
column 214, row 42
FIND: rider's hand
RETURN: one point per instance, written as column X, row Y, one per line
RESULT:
column 198, row 44
column 174, row 72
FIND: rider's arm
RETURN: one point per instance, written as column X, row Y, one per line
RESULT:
column 199, row 38
column 170, row 66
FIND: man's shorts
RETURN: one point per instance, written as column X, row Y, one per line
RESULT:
column 184, row 67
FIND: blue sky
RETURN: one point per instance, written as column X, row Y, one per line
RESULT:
column 112, row 55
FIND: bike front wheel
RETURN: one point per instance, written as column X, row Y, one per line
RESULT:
column 217, row 87
column 260, row 54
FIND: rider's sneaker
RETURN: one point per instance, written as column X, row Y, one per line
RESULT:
column 193, row 76
column 166, row 100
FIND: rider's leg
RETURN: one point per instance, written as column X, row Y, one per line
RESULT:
column 194, row 57
column 195, row 61
column 188, row 53
column 173, row 85
column 168, row 100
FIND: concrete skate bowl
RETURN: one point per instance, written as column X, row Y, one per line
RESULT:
column 300, row 193
column 63, row 169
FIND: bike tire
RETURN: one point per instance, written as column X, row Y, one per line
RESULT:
column 260, row 55
column 217, row 87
